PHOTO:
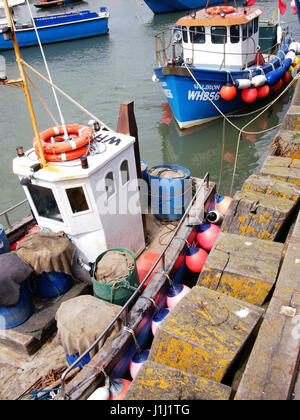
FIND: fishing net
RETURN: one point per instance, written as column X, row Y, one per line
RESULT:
column 114, row 266
column 82, row 319
column 47, row 252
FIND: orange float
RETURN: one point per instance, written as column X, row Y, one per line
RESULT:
column 249, row 95
column 217, row 10
column 263, row 91
column 228, row 92
column 62, row 157
column 53, row 144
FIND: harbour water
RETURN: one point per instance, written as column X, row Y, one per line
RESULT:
column 103, row 72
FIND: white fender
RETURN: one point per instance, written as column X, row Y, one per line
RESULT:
column 259, row 80
column 243, row 83
column 295, row 46
column 279, row 34
column 100, row 394
column 155, row 79
column 291, row 55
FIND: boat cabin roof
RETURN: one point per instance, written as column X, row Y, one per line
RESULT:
column 239, row 16
column 110, row 147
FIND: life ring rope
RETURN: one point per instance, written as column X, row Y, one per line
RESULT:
column 217, row 10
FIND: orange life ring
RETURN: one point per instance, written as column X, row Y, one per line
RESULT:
column 217, row 9
column 52, row 142
column 62, row 157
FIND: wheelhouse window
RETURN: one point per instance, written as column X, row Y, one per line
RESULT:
column 255, row 25
column 77, row 199
column 197, row 34
column 124, row 172
column 234, row 34
column 45, row 203
column 218, row 35
column 185, row 34
column 109, row 184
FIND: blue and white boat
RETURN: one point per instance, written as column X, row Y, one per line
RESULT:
column 165, row 6
column 55, row 28
column 216, row 65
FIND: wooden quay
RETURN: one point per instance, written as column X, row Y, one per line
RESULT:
column 236, row 335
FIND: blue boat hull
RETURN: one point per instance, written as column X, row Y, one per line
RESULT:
column 164, row 6
column 190, row 98
column 58, row 32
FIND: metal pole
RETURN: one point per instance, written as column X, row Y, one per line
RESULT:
column 25, row 85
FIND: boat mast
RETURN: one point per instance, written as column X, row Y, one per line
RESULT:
column 25, row 84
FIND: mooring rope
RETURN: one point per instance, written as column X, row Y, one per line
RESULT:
column 242, row 130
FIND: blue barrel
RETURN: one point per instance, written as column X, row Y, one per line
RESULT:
column 170, row 194
column 49, row 285
column 144, row 187
column 144, row 170
column 4, row 244
column 12, row 316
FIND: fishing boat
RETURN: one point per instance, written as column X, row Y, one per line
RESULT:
column 55, row 28
column 81, row 184
column 216, row 65
column 165, row 6
column 54, row 3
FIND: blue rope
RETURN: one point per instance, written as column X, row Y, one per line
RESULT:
column 35, row 394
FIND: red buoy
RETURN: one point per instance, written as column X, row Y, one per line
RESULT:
column 263, row 91
column 228, row 92
column 277, row 85
column 118, row 388
column 195, row 259
column 207, row 235
column 222, row 203
column 175, row 293
column 286, row 77
column 137, row 361
column 249, row 95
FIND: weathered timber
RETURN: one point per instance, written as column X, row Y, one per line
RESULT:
column 257, row 215
column 282, row 168
column 111, row 353
column 272, row 367
column 204, row 333
column 267, row 185
column 286, row 143
column 158, row 382
column 28, row 337
column 243, row 268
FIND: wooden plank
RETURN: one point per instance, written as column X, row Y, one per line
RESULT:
column 286, row 143
column 204, row 333
column 28, row 337
column 257, row 215
column 273, row 364
column 158, row 382
column 282, row 168
column 243, row 268
column 268, row 185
